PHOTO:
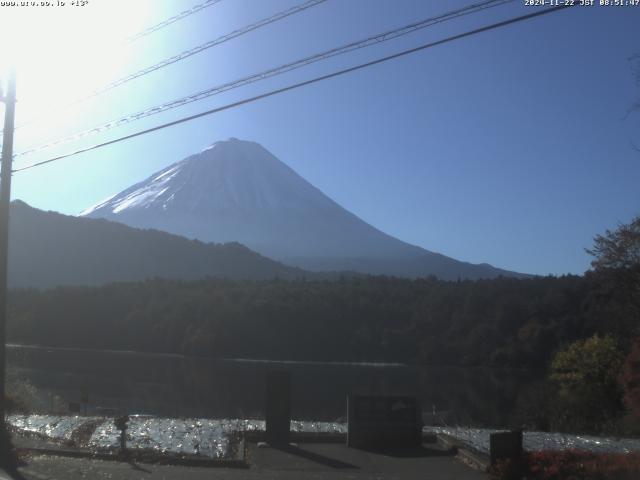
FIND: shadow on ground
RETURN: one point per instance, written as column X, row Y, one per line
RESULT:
column 315, row 457
column 415, row 452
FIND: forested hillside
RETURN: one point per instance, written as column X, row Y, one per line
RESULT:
column 48, row 249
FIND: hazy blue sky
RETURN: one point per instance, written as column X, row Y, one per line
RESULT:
column 511, row 147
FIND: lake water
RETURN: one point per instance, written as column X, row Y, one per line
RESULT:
column 197, row 403
column 179, row 386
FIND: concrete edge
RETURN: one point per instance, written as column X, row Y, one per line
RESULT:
column 141, row 456
column 300, row 437
column 465, row 453
column 320, row 437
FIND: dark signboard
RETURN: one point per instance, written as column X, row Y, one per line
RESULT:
column 383, row 422
column 505, row 445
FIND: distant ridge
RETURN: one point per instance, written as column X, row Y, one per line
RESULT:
column 238, row 191
column 48, row 249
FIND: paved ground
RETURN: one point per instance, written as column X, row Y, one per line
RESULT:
column 308, row 461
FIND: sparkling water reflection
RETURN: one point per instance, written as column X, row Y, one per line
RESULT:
column 533, row 441
column 202, row 437
column 212, row 438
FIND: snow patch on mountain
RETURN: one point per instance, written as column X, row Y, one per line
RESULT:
column 97, row 206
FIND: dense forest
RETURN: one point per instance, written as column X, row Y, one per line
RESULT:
column 506, row 322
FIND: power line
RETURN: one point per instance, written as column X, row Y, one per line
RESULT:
column 205, row 46
column 188, row 53
column 369, row 41
column 301, row 84
column 171, row 20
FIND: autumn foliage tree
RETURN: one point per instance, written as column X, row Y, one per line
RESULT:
column 586, row 374
column 630, row 380
column 616, row 271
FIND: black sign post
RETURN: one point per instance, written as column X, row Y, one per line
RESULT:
column 506, row 446
column 278, row 408
column 121, row 424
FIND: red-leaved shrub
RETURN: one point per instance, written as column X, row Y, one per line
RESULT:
column 570, row 465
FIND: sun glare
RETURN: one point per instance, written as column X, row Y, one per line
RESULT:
column 61, row 50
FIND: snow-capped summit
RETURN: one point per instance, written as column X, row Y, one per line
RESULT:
column 227, row 175
column 236, row 190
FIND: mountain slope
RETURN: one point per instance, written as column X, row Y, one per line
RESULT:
column 238, row 191
column 48, row 249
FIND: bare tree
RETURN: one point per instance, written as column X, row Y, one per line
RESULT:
column 619, row 248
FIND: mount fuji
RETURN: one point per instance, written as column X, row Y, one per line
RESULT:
column 237, row 191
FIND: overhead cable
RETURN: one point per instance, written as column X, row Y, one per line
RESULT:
column 181, row 56
column 301, row 84
column 173, row 19
column 215, row 90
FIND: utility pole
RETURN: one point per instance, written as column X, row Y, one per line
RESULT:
column 9, row 100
